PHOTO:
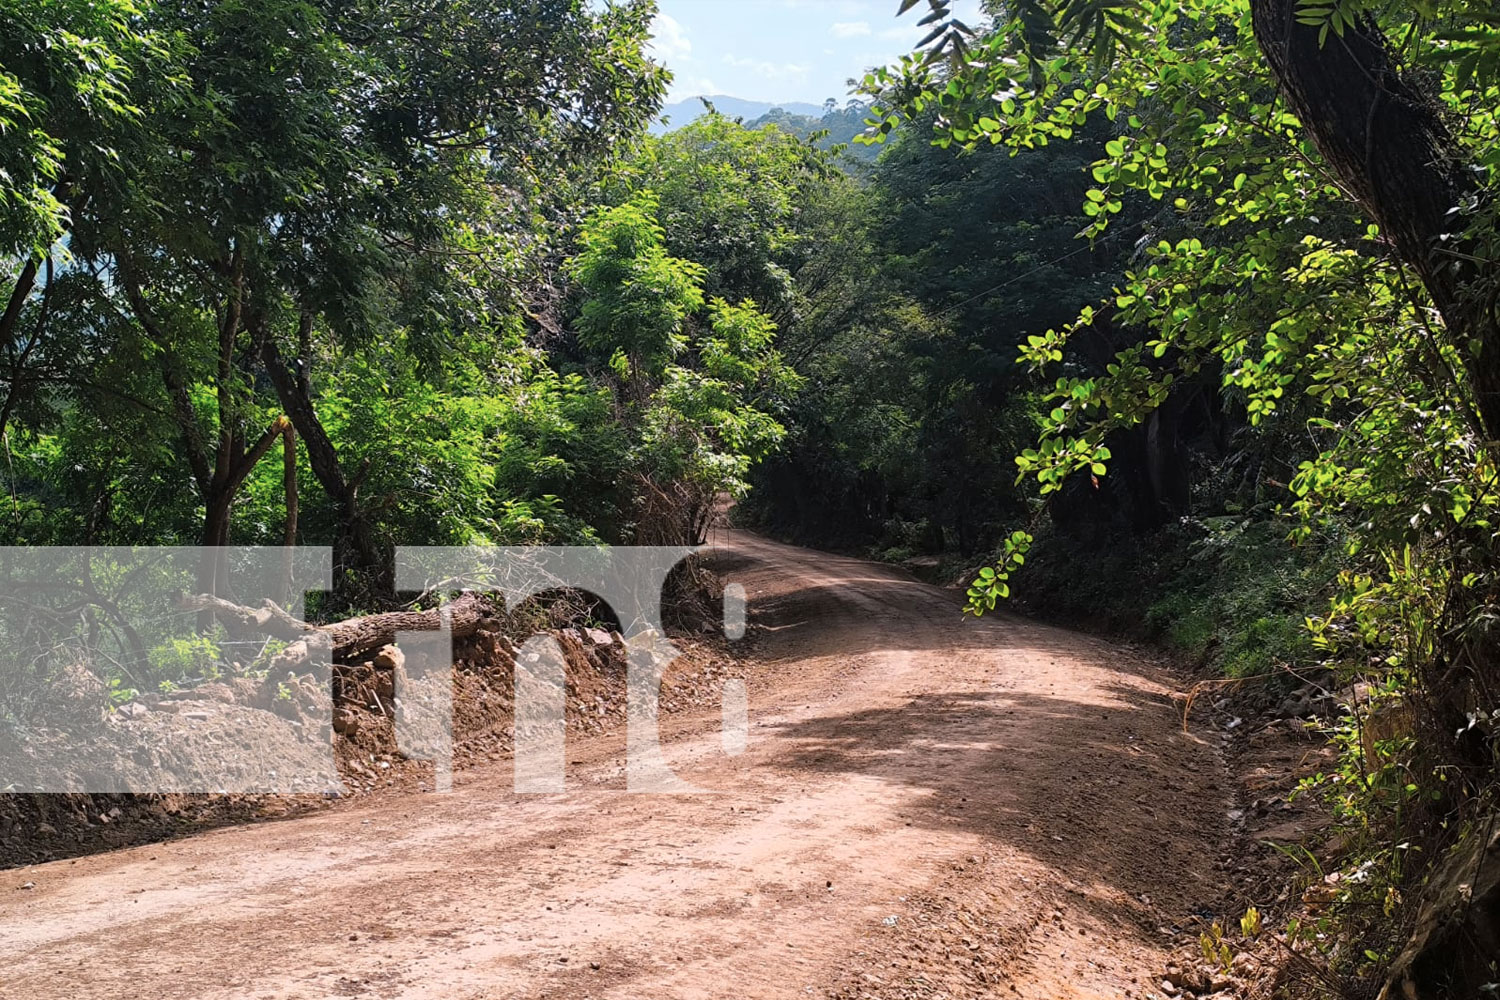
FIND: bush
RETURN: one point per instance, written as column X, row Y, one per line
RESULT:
column 1228, row 593
column 180, row 660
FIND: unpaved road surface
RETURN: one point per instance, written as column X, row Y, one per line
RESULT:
column 927, row 807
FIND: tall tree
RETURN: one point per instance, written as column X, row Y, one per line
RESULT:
column 321, row 178
column 729, row 199
column 700, row 398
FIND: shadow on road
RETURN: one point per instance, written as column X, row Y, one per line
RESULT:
column 1106, row 793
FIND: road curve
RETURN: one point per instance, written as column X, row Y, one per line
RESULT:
column 928, row 807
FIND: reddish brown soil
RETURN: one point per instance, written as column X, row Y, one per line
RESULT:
column 928, row 807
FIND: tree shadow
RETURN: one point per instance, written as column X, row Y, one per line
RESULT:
column 877, row 614
column 1106, row 792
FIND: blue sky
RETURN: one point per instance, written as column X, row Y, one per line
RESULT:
column 781, row 50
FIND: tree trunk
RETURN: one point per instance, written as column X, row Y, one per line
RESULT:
column 1386, row 141
column 20, row 292
column 26, row 280
column 218, row 499
column 221, row 479
column 289, row 487
column 18, row 365
column 356, row 549
column 289, row 482
column 212, row 572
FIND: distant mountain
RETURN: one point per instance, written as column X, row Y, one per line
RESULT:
column 680, row 113
column 797, row 117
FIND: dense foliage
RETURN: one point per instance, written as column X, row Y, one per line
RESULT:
column 1318, row 258
column 336, row 232
column 836, row 129
column 1217, row 277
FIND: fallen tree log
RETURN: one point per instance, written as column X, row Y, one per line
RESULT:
column 270, row 619
column 350, row 638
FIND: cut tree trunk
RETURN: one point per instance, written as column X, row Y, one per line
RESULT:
column 350, row 639
column 1386, row 140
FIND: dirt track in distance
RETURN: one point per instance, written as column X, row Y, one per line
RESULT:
column 928, row 806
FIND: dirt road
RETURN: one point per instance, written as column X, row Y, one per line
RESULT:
column 927, row 807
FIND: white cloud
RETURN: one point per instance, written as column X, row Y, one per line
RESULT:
column 901, row 34
column 783, row 72
column 850, row 29
column 669, row 40
column 837, row 6
column 691, row 86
